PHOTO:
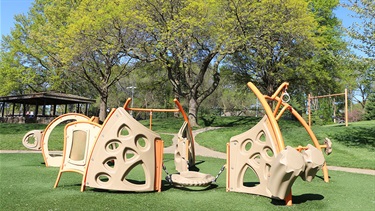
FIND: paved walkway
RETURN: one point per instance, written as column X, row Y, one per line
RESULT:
column 203, row 151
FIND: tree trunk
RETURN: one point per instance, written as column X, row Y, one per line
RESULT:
column 176, row 114
column 193, row 112
column 103, row 108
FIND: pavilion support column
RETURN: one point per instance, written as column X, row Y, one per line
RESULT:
column 44, row 109
column 66, row 108
column 24, row 109
column 14, row 105
column 54, row 110
column 87, row 109
column 36, row 111
column 2, row 109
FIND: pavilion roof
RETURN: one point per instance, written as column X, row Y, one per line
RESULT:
column 46, row 98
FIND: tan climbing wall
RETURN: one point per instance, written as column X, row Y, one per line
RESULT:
column 184, row 154
column 79, row 138
column 53, row 159
column 252, row 152
column 32, row 139
column 123, row 157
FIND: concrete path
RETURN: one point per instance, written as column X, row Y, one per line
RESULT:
column 199, row 150
column 203, row 151
column 206, row 152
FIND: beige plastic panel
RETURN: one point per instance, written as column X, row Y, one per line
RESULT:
column 254, row 149
column 79, row 140
column 285, row 169
column 184, row 151
column 50, row 159
column 314, row 161
column 191, row 178
column 32, row 139
column 123, row 146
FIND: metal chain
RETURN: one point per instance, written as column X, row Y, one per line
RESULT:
column 285, row 96
column 220, row 172
column 169, row 176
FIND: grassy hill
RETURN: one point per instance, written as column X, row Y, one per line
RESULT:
column 353, row 146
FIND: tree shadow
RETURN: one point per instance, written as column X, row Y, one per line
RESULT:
column 358, row 137
column 251, row 121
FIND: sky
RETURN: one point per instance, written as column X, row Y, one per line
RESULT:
column 10, row 8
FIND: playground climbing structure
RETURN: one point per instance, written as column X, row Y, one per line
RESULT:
column 261, row 150
column 124, row 155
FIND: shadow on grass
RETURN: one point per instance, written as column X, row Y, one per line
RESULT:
column 299, row 199
column 235, row 121
column 306, row 197
column 358, row 136
column 321, row 177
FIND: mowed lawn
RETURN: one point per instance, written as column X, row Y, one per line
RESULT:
column 353, row 146
column 26, row 184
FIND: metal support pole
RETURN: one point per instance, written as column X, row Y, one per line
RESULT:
column 132, row 88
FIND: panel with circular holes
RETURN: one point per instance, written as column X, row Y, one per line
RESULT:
column 124, row 156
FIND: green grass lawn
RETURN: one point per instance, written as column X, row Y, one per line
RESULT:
column 11, row 134
column 353, row 146
column 26, row 184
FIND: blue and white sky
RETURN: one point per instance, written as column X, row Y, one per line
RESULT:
column 10, row 8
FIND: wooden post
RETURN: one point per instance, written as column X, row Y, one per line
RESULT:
column 330, row 95
column 346, row 108
column 309, row 108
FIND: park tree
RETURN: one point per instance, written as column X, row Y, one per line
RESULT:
column 361, row 78
column 74, row 42
column 190, row 38
column 21, row 69
column 271, row 41
column 294, row 41
column 363, row 33
column 370, row 108
column 363, row 29
column 31, row 65
column 151, row 88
